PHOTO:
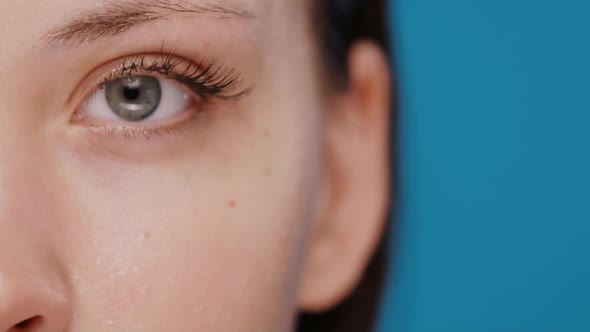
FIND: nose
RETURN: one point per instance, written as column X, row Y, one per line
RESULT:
column 34, row 287
column 34, row 279
column 32, row 299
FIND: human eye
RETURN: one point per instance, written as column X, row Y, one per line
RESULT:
column 137, row 98
column 148, row 93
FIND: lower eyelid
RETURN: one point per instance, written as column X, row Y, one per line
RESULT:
column 141, row 145
column 126, row 133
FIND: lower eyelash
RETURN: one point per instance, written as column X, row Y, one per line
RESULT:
column 132, row 133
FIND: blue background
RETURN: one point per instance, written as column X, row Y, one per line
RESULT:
column 495, row 207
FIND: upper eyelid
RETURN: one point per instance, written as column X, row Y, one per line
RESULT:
column 126, row 65
column 100, row 74
column 206, row 77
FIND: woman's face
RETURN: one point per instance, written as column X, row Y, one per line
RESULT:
column 162, row 165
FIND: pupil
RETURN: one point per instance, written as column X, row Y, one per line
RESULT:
column 131, row 93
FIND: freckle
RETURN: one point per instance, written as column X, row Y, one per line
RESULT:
column 268, row 171
column 266, row 133
column 145, row 235
column 232, row 204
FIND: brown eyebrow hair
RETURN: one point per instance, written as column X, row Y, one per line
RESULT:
column 117, row 17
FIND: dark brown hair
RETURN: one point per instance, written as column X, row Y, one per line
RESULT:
column 340, row 23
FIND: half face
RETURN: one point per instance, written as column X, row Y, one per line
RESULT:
column 162, row 165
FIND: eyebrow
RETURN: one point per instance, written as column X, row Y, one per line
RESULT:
column 120, row 16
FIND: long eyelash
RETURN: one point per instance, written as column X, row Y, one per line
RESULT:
column 205, row 78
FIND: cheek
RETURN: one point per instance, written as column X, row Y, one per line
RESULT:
column 212, row 239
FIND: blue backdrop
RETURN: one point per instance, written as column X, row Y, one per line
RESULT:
column 495, row 216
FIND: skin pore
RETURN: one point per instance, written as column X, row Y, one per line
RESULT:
column 254, row 191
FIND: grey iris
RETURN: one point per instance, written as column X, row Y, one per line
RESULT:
column 134, row 98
